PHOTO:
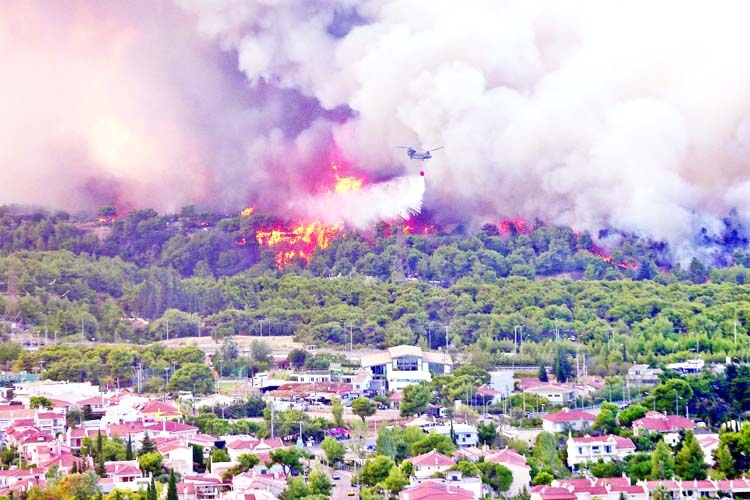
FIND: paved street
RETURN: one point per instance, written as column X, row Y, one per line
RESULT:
column 342, row 486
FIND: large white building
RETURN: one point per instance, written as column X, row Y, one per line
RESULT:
column 403, row 365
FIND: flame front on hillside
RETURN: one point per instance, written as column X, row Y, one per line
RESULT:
column 301, row 240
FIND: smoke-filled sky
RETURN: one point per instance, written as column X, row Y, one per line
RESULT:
column 591, row 114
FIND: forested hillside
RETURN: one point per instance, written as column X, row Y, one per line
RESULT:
column 534, row 294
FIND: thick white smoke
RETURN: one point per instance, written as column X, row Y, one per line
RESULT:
column 400, row 197
column 592, row 113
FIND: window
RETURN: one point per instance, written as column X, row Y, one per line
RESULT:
column 407, row 364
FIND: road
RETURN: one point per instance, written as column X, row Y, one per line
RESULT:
column 342, row 486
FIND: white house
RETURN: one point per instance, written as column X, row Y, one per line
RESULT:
column 557, row 394
column 517, row 465
column 427, row 464
column 465, row 435
column 403, row 365
column 567, row 419
column 591, row 449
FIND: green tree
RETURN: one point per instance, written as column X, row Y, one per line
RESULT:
column 487, row 433
column 563, row 369
column 261, row 351
column 129, row 449
column 545, row 456
column 289, row 458
column 172, row 486
column 496, row 476
column 320, row 483
column 600, row 468
column 376, row 470
column 689, row 462
column 82, row 486
column 40, row 402
column 631, row 413
column 363, row 407
column 147, row 445
column 724, row 461
column 333, row 449
column 195, row 377
column 662, row 462
column 297, row 357
column 337, row 411
column 438, row 442
column 415, row 400
column 385, row 444
column 395, row 481
column 150, row 463
column 542, row 477
column 245, row 462
column 638, row 466
column 543, row 377
column 606, row 422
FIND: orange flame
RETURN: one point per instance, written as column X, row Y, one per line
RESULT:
column 346, row 184
column 249, row 211
column 606, row 257
column 515, row 225
column 299, row 242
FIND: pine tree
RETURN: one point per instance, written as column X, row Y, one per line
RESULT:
column 147, row 446
column 151, row 492
column 129, row 449
column 662, row 462
column 725, row 461
column 172, row 486
column 543, row 373
column 689, row 463
column 101, row 470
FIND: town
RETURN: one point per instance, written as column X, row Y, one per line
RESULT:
column 370, row 428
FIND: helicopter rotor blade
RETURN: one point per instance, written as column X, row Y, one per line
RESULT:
column 431, row 150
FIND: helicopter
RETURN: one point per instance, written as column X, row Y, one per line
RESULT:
column 419, row 155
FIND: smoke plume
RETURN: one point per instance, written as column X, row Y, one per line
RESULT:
column 593, row 114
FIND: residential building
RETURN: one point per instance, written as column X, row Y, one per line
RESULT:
column 465, row 435
column 669, row 425
column 517, row 465
column 403, row 365
column 641, row 374
column 556, row 394
column 434, row 490
column 591, row 449
column 567, row 420
column 427, row 464
column 690, row 366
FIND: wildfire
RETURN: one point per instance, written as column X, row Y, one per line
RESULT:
column 346, row 184
column 302, row 240
column 412, row 226
column 606, row 257
column 513, row 226
column 248, row 212
column 299, row 242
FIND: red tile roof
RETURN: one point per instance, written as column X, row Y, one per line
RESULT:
column 658, row 422
column 553, row 493
column 570, row 416
column 431, row 458
column 507, row 456
column 432, row 490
